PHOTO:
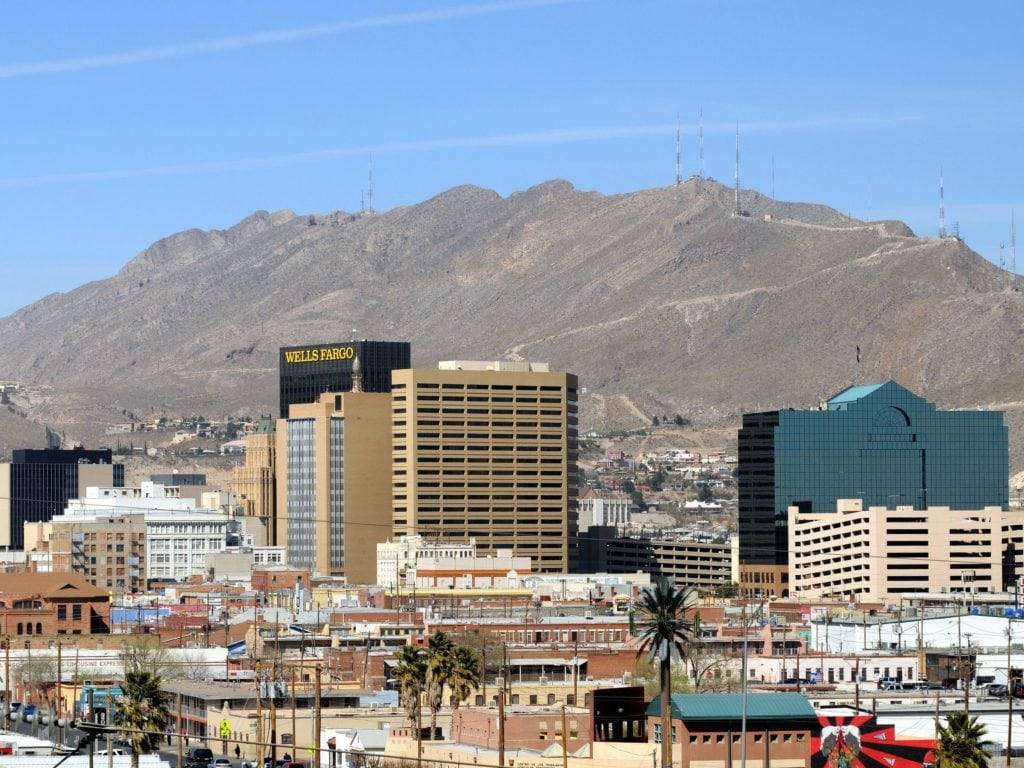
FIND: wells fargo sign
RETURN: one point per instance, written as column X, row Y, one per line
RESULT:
column 317, row 354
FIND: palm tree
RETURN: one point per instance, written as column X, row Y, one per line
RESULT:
column 440, row 660
column 959, row 743
column 411, row 676
column 465, row 674
column 142, row 712
column 665, row 631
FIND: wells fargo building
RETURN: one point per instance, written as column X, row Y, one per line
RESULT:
column 308, row 371
column 487, row 451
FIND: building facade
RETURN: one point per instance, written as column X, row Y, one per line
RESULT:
column 488, row 451
column 706, row 565
column 334, row 484
column 308, row 371
column 395, row 558
column 37, row 484
column 881, row 444
column 604, row 509
column 878, row 554
column 253, row 484
column 178, row 535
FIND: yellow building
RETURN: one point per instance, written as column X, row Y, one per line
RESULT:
column 333, row 470
column 487, row 451
column 253, row 483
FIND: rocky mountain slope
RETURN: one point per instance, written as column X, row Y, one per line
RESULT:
column 662, row 300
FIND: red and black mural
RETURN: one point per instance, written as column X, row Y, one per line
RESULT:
column 859, row 741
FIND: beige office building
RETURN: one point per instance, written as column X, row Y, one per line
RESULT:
column 487, row 451
column 878, row 554
column 333, row 470
column 253, row 483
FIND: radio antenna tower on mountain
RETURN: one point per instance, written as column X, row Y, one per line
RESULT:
column 700, row 120
column 369, row 186
column 942, row 206
column 679, row 151
column 737, row 192
column 1013, row 244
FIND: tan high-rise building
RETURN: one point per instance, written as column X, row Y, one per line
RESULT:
column 333, row 470
column 487, row 451
column 253, row 483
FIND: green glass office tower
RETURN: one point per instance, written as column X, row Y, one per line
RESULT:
column 879, row 443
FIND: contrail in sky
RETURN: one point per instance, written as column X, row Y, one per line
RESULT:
column 271, row 37
column 527, row 138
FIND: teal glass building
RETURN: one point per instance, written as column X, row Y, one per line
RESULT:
column 880, row 443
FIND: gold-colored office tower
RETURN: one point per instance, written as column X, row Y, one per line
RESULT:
column 487, row 451
column 253, row 483
column 333, row 468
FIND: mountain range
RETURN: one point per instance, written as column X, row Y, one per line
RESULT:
column 664, row 301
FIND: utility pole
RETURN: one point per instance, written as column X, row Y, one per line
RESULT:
column 316, row 721
column 259, row 718
column 743, row 617
column 565, row 742
column 92, row 719
column 294, row 729
column 273, row 703
column 575, row 670
column 921, row 660
column 856, row 685
column 501, row 731
column 7, row 683
column 181, row 734
column 1009, row 694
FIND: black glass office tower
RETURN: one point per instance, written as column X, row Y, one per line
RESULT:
column 879, row 443
column 312, row 369
column 39, row 483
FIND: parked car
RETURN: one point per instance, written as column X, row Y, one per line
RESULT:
column 998, row 690
column 890, row 684
column 220, row 762
column 293, row 764
column 28, row 710
column 115, row 752
column 15, row 706
column 198, row 757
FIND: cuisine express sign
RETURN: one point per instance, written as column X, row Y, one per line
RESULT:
column 318, row 354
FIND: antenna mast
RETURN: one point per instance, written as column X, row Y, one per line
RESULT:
column 737, row 192
column 942, row 206
column 679, row 152
column 1002, row 258
column 1013, row 244
column 369, row 187
column 700, row 118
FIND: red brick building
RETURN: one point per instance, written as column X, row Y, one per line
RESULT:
column 273, row 580
column 533, row 728
column 708, row 727
column 33, row 604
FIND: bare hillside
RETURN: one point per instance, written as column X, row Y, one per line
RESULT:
column 661, row 299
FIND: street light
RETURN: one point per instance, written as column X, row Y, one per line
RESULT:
column 743, row 713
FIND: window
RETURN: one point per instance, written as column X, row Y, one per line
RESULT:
column 76, row 612
column 62, row 612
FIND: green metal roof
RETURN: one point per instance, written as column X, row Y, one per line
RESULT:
column 850, row 394
column 729, row 706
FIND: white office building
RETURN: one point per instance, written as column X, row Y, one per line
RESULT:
column 179, row 535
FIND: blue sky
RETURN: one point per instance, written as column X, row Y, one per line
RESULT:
column 124, row 122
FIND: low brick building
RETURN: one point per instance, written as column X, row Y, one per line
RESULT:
column 535, row 728
column 271, row 580
column 48, row 604
column 707, row 728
